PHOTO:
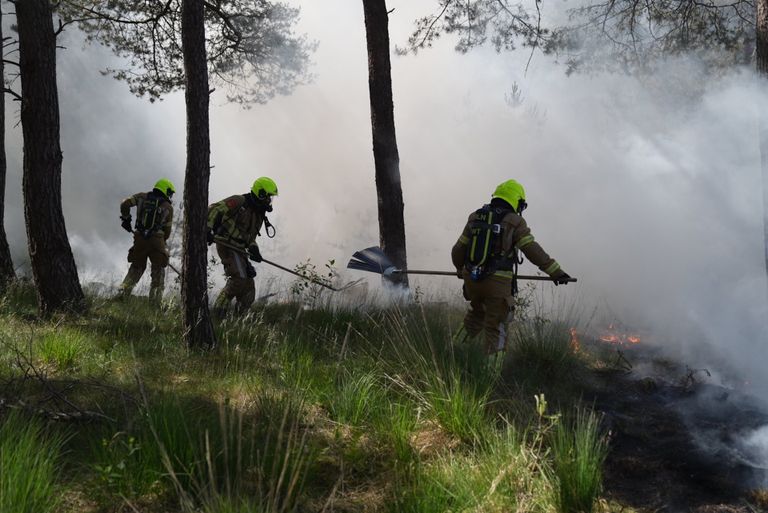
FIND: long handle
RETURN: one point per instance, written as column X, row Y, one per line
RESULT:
column 453, row 273
column 307, row 278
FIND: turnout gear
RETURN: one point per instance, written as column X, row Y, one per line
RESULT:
column 254, row 253
column 562, row 278
column 233, row 224
column 127, row 224
column 486, row 257
column 154, row 221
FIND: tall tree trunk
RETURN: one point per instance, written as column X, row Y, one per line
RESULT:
column 198, row 329
column 53, row 265
column 7, row 273
column 385, row 155
column 761, row 52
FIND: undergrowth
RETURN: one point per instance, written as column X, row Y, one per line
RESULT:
column 327, row 408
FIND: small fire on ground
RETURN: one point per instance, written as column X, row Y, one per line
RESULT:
column 613, row 336
column 610, row 335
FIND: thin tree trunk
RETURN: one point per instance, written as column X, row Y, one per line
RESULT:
column 198, row 329
column 762, row 70
column 53, row 265
column 385, row 154
column 7, row 273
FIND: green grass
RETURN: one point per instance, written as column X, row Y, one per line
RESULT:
column 344, row 408
column 500, row 475
column 62, row 348
column 29, row 465
column 579, row 450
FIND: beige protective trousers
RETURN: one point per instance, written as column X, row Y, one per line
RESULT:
column 239, row 286
column 490, row 309
column 153, row 249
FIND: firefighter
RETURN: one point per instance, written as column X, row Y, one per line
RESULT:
column 154, row 220
column 233, row 224
column 486, row 258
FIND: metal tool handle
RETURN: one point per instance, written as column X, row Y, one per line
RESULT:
column 453, row 273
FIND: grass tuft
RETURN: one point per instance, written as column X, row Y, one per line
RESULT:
column 578, row 452
column 28, row 466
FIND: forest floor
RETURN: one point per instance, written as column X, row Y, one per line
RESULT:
column 355, row 408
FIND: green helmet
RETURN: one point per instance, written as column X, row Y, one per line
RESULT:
column 166, row 187
column 264, row 187
column 511, row 192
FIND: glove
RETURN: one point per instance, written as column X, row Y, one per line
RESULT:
column 254, row 253
column 561, row 278
column 460, row 274
column 250, row 272
column 126, row 224
column 209, row 236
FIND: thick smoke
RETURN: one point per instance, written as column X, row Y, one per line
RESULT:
column 648, row 191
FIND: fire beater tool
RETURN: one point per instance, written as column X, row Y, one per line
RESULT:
column 291, row 271
column 374, row 260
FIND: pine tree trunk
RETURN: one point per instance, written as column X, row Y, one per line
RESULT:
column 385, row 154
column 7, row 273
column 198, row 329
column 53, row 266
column 762, row 70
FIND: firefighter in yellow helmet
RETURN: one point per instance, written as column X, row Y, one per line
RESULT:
column 154, row 220
column 486, row 257
column 233, row 224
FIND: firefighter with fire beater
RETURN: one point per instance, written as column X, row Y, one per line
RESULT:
column 486, row 258
column 233, row 225
column 154, row 220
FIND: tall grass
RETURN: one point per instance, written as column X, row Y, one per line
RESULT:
column 358, row 399
column 578, row 453
column 62, row 348
column 541, row 352
column 28, row 466
column 499, row 476
column 239, row 463
column 453, row 384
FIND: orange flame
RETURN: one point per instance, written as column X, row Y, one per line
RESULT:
column 575, row 343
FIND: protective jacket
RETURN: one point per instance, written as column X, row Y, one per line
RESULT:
column 515, row 236
column 153, row 211
column 235, row 222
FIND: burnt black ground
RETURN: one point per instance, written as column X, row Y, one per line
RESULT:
column 675, row 439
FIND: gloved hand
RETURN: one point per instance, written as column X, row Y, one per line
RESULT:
column 209, row 236
column 254, row 253
column 250, row 272
column 127, row 224
column 460, row 274
column 561, row 278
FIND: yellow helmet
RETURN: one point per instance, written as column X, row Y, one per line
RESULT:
column 166, row 187
column 264, row 187
column 513, row 193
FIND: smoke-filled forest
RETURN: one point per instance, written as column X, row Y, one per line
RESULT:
column 431, row 256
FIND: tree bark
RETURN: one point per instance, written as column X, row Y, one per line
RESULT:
column 198, row 329
column 761, row 53
column 7, row 273
column 53, row 266
column 385, row 154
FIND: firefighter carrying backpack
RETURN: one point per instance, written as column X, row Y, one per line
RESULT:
column 485, row 254
column 149, row 218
